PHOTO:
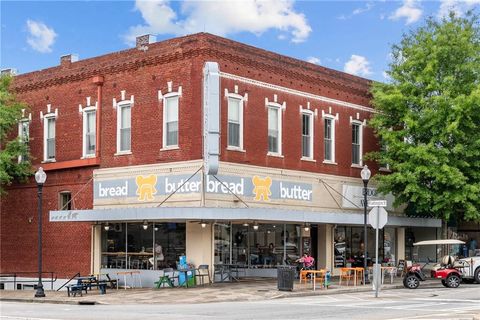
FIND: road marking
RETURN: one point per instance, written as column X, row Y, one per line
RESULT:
column 25, row 318
column 447, row 300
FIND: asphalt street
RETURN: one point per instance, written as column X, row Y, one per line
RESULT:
column 399, row 304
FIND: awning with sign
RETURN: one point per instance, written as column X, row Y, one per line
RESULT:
column 229, row 214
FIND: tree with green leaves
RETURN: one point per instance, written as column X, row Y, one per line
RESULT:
column 11, row 149
column 429, row 120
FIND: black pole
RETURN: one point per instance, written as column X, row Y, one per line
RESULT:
column 365, row 190
column 40, row 293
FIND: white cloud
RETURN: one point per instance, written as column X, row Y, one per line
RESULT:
column 368, row 6
column 40, row 38
column 457, row 6
column 221, row 18
column 410, row 10
column 357, row 65
column 314, row 60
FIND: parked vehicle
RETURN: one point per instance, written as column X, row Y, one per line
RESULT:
column 470, row 269
column 447, row 270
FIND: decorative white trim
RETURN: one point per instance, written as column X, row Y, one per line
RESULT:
column 49, row 116
column 230, row 148
column 176, row 147
column 123, row 100
column 85, row 112
column 308, row 159
column 360, row 138
column 295, row 92
column 275, row 154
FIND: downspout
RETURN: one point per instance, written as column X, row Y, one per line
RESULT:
column 98, row 80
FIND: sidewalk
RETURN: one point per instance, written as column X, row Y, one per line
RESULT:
column 245, row 290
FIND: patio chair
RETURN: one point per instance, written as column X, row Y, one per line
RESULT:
column 202, row 272
column 346, row 274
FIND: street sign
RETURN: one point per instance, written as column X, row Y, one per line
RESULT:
column 377, row 203
column 378, row 217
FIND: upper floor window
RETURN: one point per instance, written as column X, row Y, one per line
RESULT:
column 24, row 136
column 356, row 143
column 274, row 130
column 49, row 138
column 124, row 127
column 89, row 132
column 235, row 123
column 307, row 135
column 170, row 122
column 65, row 200
column 329, row 139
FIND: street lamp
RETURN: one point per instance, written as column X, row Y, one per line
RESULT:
column 365, row 174
column 40, row 177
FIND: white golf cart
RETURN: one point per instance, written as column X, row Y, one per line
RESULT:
column 470, row 269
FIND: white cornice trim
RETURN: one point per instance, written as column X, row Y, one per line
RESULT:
column 295, row 92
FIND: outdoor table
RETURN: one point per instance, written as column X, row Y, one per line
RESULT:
column 357, row 271
column 132, row 275
column 314, row 273
column 186, row 271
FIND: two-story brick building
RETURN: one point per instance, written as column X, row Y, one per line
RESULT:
column 122, row 138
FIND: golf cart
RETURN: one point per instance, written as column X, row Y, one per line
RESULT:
column 448, row 270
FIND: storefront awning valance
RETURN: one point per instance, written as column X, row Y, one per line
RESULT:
column 229, row 214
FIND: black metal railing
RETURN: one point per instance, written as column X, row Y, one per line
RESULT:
column 12, row 277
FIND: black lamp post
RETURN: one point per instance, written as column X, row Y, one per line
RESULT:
column 40, row 177
column 365, row 174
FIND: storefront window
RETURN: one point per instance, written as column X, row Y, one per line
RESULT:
column 349, row 246
column 265, row 247
column 132, row 246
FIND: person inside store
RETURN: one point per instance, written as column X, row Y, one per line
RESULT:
column 270, row 257
column 159, row 255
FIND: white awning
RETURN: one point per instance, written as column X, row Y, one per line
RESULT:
column 433, row 242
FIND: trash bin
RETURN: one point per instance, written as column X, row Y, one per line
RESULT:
column 285, row 278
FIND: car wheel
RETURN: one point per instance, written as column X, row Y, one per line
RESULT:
column 444, row 283
column 477, row 275
column 411, row 282
column 453, row 281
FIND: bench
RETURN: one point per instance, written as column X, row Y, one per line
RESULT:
column 101, row 285
column 75, row 288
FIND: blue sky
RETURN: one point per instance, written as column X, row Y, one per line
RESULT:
column 351, row 36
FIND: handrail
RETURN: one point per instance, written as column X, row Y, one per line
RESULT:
column 63, row 285
column 16, row 274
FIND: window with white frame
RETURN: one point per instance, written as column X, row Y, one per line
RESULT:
column 170, row 121
column 49, row 138
column 65, row 200
column 274, row 130
column 235, row 123
column 329, row 139
column 307, row 135
column 356, row 143
column 24, row 136
column 124, row 127
column 89, row 132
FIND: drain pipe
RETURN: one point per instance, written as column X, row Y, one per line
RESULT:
column 98, row 80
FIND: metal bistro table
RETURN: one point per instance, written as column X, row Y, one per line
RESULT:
column 226, row 271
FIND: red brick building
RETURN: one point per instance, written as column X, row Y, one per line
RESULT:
column 118, row 134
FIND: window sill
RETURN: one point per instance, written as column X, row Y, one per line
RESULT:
column 170, row 148
column 329, row 162
column 235, row 149
column 308, row 159
column 49, row 161
column 123, row 153
column 383, row 169
column 88, row 156
column 278, row 155
column 359, row 166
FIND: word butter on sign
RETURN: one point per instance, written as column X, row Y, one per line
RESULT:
column 296, row 192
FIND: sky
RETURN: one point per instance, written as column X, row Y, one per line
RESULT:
column 351, row 36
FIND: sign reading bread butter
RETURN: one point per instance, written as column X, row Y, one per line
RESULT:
column 146, row 188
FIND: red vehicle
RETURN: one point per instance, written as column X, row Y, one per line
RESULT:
column 447, row 271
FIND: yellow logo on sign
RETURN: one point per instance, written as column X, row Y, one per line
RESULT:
column 146, row 187
column 262, row 188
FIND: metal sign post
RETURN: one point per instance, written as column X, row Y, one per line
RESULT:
column 378, row 219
